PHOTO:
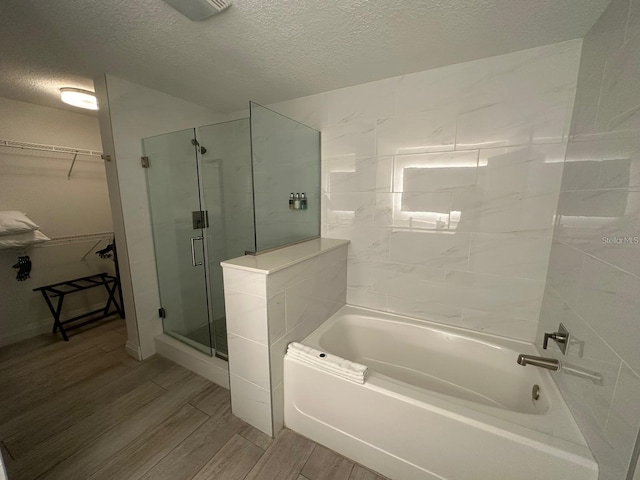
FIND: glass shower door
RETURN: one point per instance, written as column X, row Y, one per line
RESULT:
column 179, row 231
column 226, row 185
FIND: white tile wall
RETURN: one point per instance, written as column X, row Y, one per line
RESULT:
column 593, row 282
column 457, row 170
column 267, row 311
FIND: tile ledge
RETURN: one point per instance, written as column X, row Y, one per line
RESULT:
column 280, row 259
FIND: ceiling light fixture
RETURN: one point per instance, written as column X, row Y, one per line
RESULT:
column 199, row 9
column 79, row 98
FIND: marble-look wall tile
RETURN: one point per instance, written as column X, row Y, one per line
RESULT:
column 565, row 266
column 499, row 324
column 365, row 101
column 434, row 172
column 276, row 314
column 246, row 315
column 341, row 210
column 351, row 174
column 460, row 86
column 408, row 281
column 431, row 131
column 362, row 296
column 359, row 272
column 536, row 168
column 357, row 139
column 251, row 403
column 623, row 423
column 581, row 175
column 516, row 297
column 633, row 22
column 316, row 296
column 277, row 400
column 593, row 282
column 551, row 69
column 603, row 223
column 588, row 351
column 280, row 280
column 491, row 212
column 605, row 37
column 500, row 125
column 311, row 110
column 435, row 311
column 408, row 176
column 527, row 99
column 620, row 95
column 442, row 250
column 293, row 302
column 242, row 281
column 589, row 401
column 609, row 300
column 365, row 242
column 247, row 360
column 413, row 210
column 520, row 256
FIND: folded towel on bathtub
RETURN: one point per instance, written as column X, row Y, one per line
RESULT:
column 333, row 364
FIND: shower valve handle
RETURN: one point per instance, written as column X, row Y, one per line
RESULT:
column 561, row 338
column 558, row 337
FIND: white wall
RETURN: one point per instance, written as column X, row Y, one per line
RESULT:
column 593, row 283
column 37, row 183
column 129, row 113
column 446, row 182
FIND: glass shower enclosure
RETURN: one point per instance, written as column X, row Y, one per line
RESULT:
column 217, row 192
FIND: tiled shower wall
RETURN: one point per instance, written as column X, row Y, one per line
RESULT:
column 593, row 283
column 446, row 182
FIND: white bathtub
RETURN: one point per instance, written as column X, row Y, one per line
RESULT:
column 439, row 403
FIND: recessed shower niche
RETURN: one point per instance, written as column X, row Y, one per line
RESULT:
column 217, row 192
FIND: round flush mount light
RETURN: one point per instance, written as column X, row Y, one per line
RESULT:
column 79, row 98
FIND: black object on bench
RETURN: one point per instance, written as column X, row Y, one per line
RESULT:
column 61, row 289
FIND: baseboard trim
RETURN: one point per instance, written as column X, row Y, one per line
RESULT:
column 211, row 368
column 133, row 351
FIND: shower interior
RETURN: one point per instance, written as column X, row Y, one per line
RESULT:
column 217, row 192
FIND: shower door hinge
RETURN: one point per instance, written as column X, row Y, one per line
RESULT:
column 162, row 313
column 145, row 162
column 200, row 219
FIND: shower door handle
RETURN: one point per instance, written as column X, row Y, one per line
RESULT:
column 193, row 251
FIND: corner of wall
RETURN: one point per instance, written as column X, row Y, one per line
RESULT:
column 108, row 149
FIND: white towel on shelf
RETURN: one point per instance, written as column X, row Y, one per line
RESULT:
column 338, row 366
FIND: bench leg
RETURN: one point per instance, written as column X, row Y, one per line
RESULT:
column 56, row 311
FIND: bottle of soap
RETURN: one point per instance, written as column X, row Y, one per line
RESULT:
column 291, row 201
column 296, row 202
column 303, row 202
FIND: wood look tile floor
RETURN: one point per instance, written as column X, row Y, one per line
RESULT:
column 84, row 410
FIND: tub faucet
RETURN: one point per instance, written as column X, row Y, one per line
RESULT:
column 544, row 362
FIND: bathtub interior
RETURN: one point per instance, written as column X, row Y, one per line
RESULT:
column 440, row 361
column 449, row 366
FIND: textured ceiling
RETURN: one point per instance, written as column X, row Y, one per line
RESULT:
column 265, row 50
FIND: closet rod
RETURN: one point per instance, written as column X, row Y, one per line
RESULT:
column 49, row 148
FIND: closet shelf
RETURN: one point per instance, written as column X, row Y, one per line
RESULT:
column 52, row 149
column 49, row 148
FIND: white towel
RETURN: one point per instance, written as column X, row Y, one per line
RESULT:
column 352, row 371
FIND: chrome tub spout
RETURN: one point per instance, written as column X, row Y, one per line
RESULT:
column 543, row 362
